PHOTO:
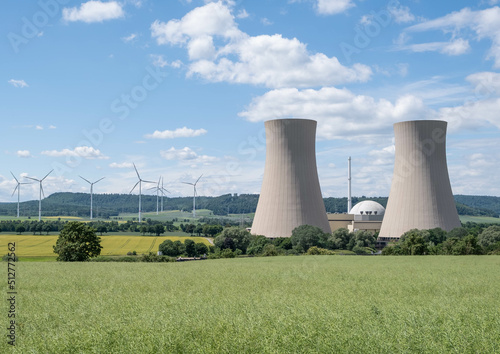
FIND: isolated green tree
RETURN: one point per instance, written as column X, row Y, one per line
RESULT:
column 77, row 242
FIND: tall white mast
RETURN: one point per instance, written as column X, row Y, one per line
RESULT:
column 349, row 198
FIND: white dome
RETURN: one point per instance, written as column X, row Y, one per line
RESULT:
column 367, row 207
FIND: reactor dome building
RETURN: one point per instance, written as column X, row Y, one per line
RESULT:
column 420, row 196
column 290, row 194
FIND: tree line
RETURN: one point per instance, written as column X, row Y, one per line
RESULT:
column 109, row 205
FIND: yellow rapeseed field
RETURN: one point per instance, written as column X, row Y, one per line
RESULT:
column 38, row 246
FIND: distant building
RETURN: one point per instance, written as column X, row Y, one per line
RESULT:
column 290, row 194
column 364, row 216
column 421, row 196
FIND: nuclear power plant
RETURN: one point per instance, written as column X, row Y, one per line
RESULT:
column 420, row 196
column 290, row 194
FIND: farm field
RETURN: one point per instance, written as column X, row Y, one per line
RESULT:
column 41, row 246
column 261, row 305
column 479, row 219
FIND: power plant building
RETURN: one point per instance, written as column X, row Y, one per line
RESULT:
column 290, row 194
column 420, row 196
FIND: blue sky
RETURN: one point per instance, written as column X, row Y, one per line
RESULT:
column 182, row 88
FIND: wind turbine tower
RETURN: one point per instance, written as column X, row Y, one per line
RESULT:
column 18, row 188
column 194, row 194
column 140, row 189
column 91, row 191
column 159, row 190
column 41, row 192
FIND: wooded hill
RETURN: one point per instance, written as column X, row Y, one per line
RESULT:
column 106, row 205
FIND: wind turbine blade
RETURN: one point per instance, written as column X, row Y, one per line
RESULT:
column 47, row 174
column 15, row 189
column 198, row 179
column 147, row 181
column 14, row 176
column 99, row 180
column 134, row 187
column 136, row 171
column 188, row 183
column 86, row 180
column 41, row 188
column 159, row 179
column 34, row 179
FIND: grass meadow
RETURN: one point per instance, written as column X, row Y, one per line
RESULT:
column 41, row 246
column 432, row 304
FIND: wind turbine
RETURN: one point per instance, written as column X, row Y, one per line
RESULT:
column 18, row 188
column 163, row 190
column 194, row 194
column 158, row 191
column 91, row 191
column 41, row 192
column 140, row 188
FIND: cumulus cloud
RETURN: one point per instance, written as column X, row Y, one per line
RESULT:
column 340, row 113
column 23, row 153
column 86, row 152
column 94, row 11
column 183, row 132
column 18, row 83
column 220, row 52
column 186, row 154
column 332, row 7
column 121, row 165
column 484, row 23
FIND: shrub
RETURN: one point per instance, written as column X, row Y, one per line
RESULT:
column 319, row 251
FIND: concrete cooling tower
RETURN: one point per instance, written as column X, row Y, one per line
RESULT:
column 290, row 194
column 420, row 196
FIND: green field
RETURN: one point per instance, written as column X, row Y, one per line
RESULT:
column 41, row 246
column 479, row 219
column 302, row 304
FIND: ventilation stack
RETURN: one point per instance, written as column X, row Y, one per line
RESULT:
column 290, row 194
column 421, row 196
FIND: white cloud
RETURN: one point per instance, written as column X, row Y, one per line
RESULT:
column 486, row 84
column 456, row 47
column 121, row 165
column 86, row 152
column 220, row 52
column 94, row 11
column 401, row 14
column 340, row 113
column 242, row 14
column 186, row 154
column 23, row 153
column 39, row 127
column 129, row 38
column 52, row 127
column 484, row 23
column 178, row 133
column 266, row 22
column 18, row 83
column 331, row 7
column 158, row 60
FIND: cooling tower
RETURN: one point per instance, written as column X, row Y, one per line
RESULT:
column 290, row 194
column 420, row 196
